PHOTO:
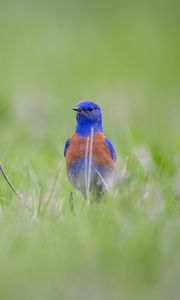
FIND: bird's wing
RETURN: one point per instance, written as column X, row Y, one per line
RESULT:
column 111, row 148
column 66, row 146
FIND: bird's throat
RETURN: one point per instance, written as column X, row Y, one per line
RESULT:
column 84, row 129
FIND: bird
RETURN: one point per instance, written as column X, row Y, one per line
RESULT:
column 89, row 154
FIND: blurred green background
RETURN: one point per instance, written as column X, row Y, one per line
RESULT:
column 125, row 56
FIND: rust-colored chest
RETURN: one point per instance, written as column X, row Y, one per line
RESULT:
column 80, row 147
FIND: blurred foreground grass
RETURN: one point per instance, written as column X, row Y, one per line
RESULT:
column 125, row 56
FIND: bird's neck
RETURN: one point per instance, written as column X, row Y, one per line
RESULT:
column 86, row 129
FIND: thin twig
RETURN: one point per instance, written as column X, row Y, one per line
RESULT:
column 19, row 195
column 8, row 181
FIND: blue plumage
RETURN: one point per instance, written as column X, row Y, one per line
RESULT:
column 88, row 115
column 111, row 148
column 66, row 146
column 90, row 156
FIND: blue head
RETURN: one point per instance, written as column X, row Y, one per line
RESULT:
column 88, row 116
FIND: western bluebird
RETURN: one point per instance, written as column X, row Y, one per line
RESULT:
column 90, row 156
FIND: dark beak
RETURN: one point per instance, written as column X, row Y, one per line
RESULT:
column 77, row 109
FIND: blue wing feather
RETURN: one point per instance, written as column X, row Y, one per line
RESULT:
column 111, row 148
column 66, row 145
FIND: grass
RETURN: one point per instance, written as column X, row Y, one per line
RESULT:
column 125, row 56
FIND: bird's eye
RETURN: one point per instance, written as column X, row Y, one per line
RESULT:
column 90, row 109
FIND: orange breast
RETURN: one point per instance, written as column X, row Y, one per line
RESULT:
column 78, row 149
